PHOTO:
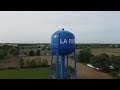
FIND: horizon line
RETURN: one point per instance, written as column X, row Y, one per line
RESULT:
column 49, row 43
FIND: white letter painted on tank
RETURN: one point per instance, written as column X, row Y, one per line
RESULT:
column 71, row 41
column 65, row 41
column 61, row 41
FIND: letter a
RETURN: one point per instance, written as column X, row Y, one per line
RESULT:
column 65, row 41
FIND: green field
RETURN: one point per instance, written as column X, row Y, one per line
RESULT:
column 25, row 73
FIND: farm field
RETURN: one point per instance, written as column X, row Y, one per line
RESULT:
column 26, row 73
column 109, row 51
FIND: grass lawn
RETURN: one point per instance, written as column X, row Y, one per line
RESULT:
column 26, row 73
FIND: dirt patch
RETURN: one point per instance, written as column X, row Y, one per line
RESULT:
column 10, row 62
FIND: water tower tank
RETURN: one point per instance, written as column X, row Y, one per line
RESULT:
column 64, row 41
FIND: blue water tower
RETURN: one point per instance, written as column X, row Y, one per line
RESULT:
column 62, row 44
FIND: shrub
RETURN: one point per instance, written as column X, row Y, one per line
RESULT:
column 28, row 63
column 44, row 63
column 116, row 62
column 39, row 63
column 101, row 61
column 21, row 62
column 71, row 69
column 38, row 52
column 14, row 51
column 3, row 54
column 12, row 67
column 72, row 56
column 2, row 68
column 115, row 75
column 36, row 62
column 31, row 53
column 84, row 55
column 33, row 63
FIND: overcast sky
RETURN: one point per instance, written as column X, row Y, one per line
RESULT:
column 38, row 26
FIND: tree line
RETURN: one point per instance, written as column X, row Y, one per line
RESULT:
column 82, row 46
column 7, row 51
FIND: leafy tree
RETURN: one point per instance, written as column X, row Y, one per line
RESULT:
column 116, row 62
column 84, row 55
column 5, row 47
column 39, row 46
column 101, row 62
column 44, row 48
column 31, row 53
column 3, row 54
column 38, row 52
column 14, row 51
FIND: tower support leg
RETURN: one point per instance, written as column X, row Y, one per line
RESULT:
column 67, row 67
column 75, row 73
column 57, row 58
column 51, row 66
column 62, row 66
